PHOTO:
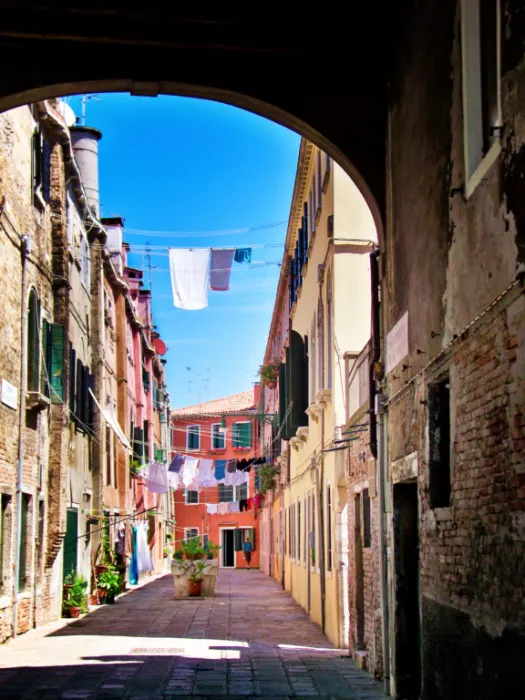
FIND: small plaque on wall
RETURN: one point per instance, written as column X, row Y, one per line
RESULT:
column 9, row 394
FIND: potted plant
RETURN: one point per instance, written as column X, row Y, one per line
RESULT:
column 75, row 601
column 196, row 578
column 212, row 550
column 178, row 555
column 110, row 584
column 269, row 373
column 192, row 549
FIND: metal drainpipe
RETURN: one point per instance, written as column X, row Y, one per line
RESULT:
column 383, row 564
column 25, row 250
column 320, row 500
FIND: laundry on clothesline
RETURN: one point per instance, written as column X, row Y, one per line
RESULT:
column 231, row 466
column 207, row 473
column 223, row 508
column 157, row 481
column 194, row 270
column 189, row 473
column 233, row 507
column 211, row 508
column 177, row 463
column 220, row 470
column 236, row 478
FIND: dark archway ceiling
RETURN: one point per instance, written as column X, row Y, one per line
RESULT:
column 320, row 71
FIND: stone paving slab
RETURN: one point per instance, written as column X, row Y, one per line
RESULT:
column 250, row 640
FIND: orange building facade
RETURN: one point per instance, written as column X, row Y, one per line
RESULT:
column 198, row 431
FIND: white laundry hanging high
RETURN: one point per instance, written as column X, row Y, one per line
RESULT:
column 189, row 270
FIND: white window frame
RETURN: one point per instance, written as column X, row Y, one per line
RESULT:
column 472, row 97
column 221, row 434
column 188, row 448
column 186, row 497
column 190, row 529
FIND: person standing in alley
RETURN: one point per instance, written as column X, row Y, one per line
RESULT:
column 247, row 549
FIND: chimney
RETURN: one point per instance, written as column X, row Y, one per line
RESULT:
column 85, row 145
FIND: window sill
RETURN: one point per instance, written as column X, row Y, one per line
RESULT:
column 483, row 168
column 218, row 450
column 38, row 199
column 36, row 400
column 241, row 449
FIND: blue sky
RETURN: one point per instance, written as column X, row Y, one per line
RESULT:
column 186, row 165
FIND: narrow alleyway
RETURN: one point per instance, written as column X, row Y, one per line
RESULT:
column 251, row 639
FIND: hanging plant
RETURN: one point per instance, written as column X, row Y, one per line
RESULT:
column 269, row 373
column 267, row 475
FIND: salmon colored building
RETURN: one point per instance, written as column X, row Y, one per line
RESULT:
column 198, row 431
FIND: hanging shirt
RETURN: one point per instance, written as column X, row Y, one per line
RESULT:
column 211, row 508
column 173, row 480
column 233, row 507
column 220, row 469
column 189, row 269
column 231, row 465
column 220, row 269
column 207, row 473
column 144, row 555
column 236, row 479
column 190, row 470
column 176, row 463
column 243, row 255
column 222, row 508
column 157, row 478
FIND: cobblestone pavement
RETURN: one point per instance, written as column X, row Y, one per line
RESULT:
column 252, row 639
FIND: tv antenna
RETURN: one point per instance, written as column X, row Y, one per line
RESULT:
column 85, row 100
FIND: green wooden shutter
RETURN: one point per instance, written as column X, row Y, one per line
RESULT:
column 55, row 361
column 72, row 368
column 45, row 374
column 238, row 540
column 22, row 552
column 245, row 434
column 46, row 170
column 84, row 417
column 71, row 542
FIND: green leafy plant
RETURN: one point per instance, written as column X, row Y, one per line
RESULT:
column 267, row 475
column 110, row 582
column 197, row 571
column 269, row 372
column 75, row 592
column 178, row 554
column 192, row 549
column 212, row 550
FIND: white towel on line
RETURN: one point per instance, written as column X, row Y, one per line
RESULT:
column 189, row 270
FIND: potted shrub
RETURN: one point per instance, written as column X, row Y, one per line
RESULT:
column 212, row 550
column 75, row 601
column 196, row 578
column 192, row 549
column 110, row 583
column 178, row 555
column 269, row 373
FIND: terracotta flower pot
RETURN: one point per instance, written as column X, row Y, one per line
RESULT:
column 100, row 569
column 194, row 588
column 74, row 611
column 271, row 385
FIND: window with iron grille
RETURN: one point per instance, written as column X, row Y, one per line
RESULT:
column 192, row 497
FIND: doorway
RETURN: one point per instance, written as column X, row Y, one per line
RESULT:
column 407, row 617
column 71, row 542
column 359, row 577
column 228, row 548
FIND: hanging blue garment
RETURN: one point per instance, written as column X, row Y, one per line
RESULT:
column 243, row 255
column 134, row 564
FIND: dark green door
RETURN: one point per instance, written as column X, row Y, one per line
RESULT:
column 71, row 542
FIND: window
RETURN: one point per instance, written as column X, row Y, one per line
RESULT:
column 146, row 440
column 84, row 261
column 218, row 439
column 313, row 353
column 5, row 537
column 108, row 455
column 367, row 525
column 480, row 31
column 242, row 435
column 53, row 345
column 193, row 437
column 329, row 329
column 25, row 537
column 320, row 342
column 190, row 533
column 319, row 179
column 41, row 167
column 439, row 444
column 225, row 493
column 299, row 531
column 192, row 497
column 241, row 492
column 329, row 527
column 33, row 342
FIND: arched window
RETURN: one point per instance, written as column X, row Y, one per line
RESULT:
column 320, row 341
column 33, row 342
column 329, row 329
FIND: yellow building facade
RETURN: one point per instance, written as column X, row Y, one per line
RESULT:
column 330, row 236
